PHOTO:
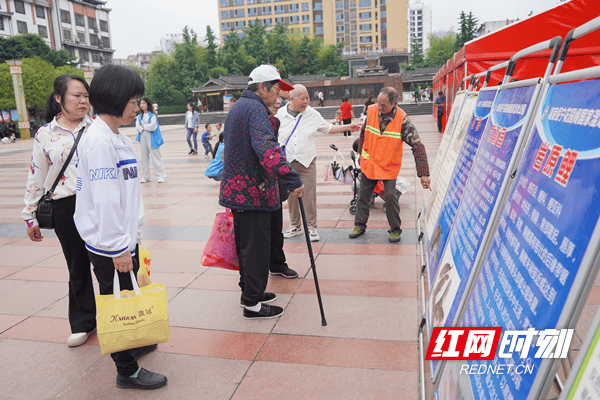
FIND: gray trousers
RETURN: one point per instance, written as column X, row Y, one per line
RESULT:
column 147, row 152
column 363, row 206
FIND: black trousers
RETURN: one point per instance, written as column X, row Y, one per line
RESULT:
column 277, row 261
column 259, row 244
column 82, row 303
column 347, row 121
column 440, row 118
column 104, row 269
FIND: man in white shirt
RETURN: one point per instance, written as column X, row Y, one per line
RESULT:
column 299, row 123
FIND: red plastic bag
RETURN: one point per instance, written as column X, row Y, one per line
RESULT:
column 220, row 247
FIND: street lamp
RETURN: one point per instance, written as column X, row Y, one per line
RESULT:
column 15, row 70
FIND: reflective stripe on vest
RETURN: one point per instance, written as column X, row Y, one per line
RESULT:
column 382, row 151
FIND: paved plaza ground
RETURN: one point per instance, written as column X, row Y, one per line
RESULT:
column 371, row 297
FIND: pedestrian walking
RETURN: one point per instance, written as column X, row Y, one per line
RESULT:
column 192, row 120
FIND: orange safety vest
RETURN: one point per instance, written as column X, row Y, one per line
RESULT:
column 381, row 156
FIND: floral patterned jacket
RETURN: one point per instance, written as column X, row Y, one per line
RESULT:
column 253, row 160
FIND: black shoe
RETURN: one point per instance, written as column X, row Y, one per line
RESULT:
column 142, row 351
column 266, row 311
column 146, row 380
column 191, row 152
column 267, row 298
column 285, row 272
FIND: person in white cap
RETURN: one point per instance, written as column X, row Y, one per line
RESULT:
column 253, row 165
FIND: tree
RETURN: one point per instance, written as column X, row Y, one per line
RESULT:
column 278, row 48
column 468, row 27
column 160, row 86
column 38, row 82
column 190, row 69
column 441, row 49
column 254, row 42
column 28, row 45
column 417, row 59
column 406, row 67
column 210, row 56
column 69, row 70
column 330, row 60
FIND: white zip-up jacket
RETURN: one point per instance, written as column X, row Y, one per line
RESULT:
column 109, row 207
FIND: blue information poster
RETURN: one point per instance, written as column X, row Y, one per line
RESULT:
column 544, row 231
column 459, row 179
column 489, row 171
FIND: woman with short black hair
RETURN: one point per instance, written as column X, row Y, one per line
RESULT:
column 109, row 208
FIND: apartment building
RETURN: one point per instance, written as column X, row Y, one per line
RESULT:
column 361, row 24
column 419, row 23
column 81, row 27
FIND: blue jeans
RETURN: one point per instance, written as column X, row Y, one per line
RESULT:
column 192, row 132
column 207, row 148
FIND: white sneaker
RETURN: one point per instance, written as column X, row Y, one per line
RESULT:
column 313, row 234
column 161, row 180
column 292, row 231
column 143, row 180
column 77, row 339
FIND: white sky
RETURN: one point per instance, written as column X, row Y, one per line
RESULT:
column 137, row 26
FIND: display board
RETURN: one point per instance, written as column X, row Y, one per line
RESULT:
column 459, row 178
column 489, row 177
column 545, row 248
column 439, row 159
column 447, row 166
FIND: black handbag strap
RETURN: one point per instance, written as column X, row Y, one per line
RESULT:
column 66, row 164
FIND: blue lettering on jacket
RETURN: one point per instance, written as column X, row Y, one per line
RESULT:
column 131, row 172
column 125, row 162
column 102, row 173
column 79, row 183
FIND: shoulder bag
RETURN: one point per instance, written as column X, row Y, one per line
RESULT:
column 45, row 208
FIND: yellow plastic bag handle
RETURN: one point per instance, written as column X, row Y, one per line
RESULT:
column 117, row 285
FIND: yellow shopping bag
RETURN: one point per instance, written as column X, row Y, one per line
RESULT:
column 143, row 275
column 132, row 318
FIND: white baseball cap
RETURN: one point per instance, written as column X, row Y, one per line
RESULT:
column 267, row 73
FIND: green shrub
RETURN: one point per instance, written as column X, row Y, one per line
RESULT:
column 181, row 109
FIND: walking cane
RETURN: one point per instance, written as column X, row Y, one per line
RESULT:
column 312, row 260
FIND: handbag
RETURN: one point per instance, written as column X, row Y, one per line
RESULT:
column 220, row 248
column 45, row 208
column 132, row 318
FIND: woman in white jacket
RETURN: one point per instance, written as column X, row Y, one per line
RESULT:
column 150, row 141
column 109, row 210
